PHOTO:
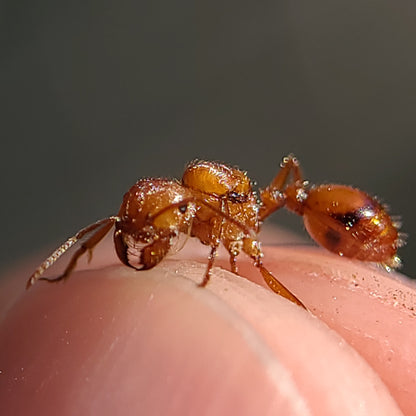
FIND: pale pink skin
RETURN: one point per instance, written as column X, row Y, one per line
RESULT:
column 111, row 340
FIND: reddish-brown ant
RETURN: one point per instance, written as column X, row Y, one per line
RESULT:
column 216, row 204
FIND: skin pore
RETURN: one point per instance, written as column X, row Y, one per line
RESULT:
column 112, row 340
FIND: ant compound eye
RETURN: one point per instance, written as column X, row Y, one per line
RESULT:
column 236, row 197
column 183, row 208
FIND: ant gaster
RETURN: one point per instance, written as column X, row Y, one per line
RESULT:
column 216, row 204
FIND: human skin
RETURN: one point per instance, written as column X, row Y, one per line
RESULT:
column 111, row 340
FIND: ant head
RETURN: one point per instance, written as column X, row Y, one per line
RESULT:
column 153, row 212
column 155, row 206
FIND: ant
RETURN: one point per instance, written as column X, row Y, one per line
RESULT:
column 216, row 204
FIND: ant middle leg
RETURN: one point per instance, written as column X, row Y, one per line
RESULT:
column 233, row 247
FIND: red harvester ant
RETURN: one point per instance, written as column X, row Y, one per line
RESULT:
column 216, row 204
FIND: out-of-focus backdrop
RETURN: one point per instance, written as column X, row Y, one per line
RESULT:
column 96, row 94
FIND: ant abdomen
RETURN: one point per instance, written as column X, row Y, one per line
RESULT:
column 348, row 222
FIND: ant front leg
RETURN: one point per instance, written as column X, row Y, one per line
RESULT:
column 273, row 197
column 210, row 264
column 214, row 243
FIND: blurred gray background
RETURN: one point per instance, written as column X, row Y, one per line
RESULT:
column 96, row 94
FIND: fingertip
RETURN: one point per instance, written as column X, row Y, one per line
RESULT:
column 374, row 311
column 111, row 342
column 154, row 342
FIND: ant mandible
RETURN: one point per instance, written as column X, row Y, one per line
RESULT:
column 216, row 204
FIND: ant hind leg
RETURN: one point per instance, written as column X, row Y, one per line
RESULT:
column 276, row 286
column 253, row 249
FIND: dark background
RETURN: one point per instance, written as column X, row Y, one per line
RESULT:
column 96, row 94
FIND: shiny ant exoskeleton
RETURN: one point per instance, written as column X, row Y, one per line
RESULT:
column 216, row 204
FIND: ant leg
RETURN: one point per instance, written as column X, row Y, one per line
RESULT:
column 233, row 263
column 210, row 264
column 106, row 225
column 216, row 238
column 276, row 286
column 233, row 248
column 272, row 198
column 225, row 217
column 252, row 248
